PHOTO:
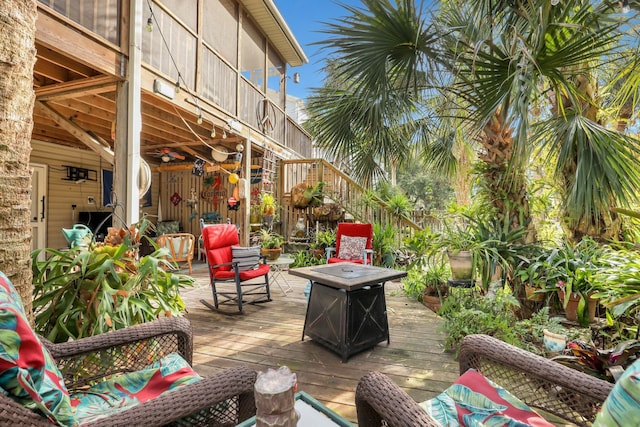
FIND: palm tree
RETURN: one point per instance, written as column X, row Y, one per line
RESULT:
column 493, row 61
column 17, row 57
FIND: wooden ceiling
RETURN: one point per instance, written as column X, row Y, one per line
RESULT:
column 87, row 98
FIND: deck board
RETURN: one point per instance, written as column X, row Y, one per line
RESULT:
column 269, row 335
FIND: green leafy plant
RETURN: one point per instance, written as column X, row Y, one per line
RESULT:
column 305, row 259
column 270, row 239
column 81, row 292
column 383, row 244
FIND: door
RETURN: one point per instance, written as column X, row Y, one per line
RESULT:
column 38, row 207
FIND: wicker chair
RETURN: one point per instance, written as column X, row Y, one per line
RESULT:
column 552, row 389
column 126, row 350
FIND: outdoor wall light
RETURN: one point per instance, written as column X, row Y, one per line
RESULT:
column 165, row 158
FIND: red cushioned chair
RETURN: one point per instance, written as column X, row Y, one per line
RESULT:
column 218, row 240
column 353, row 230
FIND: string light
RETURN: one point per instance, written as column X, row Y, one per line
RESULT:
column 555, row 2
column 178, row 85
column 200, row 118
column 149, row 26
column 213, row 132
column 625, row 6
column 224, row 134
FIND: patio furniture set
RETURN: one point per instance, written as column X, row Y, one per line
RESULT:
column 142, row 374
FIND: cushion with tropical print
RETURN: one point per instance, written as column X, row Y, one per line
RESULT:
column 473, row 400
column 130, row 389
column 28, row 373
column 622, row 406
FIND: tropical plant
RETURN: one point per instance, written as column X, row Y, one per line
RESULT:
column 268, row 205
column 606, row 364
column 618, row 285
column 269, row 239
column 305, row 259
column 383, row 243
column 81, row 292
column 502, row 68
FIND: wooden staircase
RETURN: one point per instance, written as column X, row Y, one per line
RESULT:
column 358, row 204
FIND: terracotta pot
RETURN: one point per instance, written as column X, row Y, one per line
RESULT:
column 271, row 254
column 531, row 295
column 432, row 302
column 571, row 310
column 461, row 265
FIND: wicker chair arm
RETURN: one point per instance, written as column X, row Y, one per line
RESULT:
column 178, row 326
column 197, row 400
column 14, row 414
column 379, row 399
column 539, row 382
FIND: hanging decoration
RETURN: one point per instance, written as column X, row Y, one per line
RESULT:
column 256, row 174
column 175, row 199
column 198, row 167
column 192, row 202
column 213, row 191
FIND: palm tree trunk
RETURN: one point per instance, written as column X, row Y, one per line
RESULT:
column 17, row 57
column 507, row 188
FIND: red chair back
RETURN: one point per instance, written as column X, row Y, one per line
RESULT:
column 354, row 230
column 218, row 240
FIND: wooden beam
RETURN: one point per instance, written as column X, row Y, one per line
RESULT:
column 75, row 88
column 57, row 36
column 75, row 130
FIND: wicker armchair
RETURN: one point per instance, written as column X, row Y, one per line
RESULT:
column 552, row 389
column 131, row 349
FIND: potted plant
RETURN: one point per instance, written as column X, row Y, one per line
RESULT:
column 85, row 291
column 268, row 208
column 324, row 239
column 458, row 240
column 255, row 217
column 574, row 269
column 435, row 285
column 271, row 244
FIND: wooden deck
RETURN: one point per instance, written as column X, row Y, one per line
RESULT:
column 269, row 335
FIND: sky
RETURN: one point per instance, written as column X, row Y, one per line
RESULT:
column 305, row 18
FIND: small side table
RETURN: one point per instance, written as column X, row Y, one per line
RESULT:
column 312, row 414
column 278, row 267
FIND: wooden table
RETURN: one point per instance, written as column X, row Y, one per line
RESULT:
column 347, row 310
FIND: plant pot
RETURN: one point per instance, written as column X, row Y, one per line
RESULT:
column 530, row 291
column 461, row 265
column 317, row 253
column 432, row 302
column 271, row 254
column 571, row 310
column 553, row 342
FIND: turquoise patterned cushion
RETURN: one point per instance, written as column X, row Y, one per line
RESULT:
column 124, row 391
column 473, row 400
column 28, row 373
column 622, row 406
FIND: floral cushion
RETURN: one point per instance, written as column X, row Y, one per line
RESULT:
column 622, row 406
column 28, row 373
column 352, row 248
column 124, row 391
column 246, row 257
column 473, row 400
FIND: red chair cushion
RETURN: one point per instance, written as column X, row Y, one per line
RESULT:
column 354, row 230
column 244, row 275
column 218, row 240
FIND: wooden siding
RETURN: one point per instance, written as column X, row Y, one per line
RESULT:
column 63, row 193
